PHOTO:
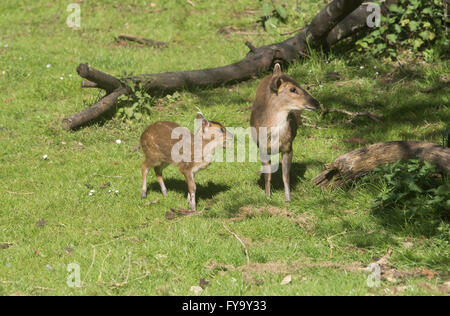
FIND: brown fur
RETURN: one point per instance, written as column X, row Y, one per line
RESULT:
column 279, row 101
column 157, row 144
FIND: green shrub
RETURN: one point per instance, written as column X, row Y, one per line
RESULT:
column 272, row 14
column 417, row 25
column 416, row 188
column 136, row 104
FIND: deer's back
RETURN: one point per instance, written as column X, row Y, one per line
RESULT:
column 157, row 142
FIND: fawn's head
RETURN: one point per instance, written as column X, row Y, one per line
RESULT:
column 213, row 131
column 288, row 95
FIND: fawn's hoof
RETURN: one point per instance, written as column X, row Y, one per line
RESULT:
column 143, row 195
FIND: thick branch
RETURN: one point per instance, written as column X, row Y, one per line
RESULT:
column 353, row 23
column 103, row 105
column 103, row 80
column 328, row 18
column 357, row 163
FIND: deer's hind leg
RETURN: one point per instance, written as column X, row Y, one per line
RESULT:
column 144, row 179
column 159, row 178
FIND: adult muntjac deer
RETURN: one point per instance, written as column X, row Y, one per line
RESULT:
column 274, row 124
column 161, row 144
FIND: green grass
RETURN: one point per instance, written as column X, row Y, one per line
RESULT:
column 118, row 236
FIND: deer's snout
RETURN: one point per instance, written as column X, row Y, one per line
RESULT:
column 311, row 104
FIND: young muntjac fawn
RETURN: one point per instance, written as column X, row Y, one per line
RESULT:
column 277, row 98
column 160, row 141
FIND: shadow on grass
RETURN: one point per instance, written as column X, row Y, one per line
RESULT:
column 397, row 220
column 203, row 192
column 298, row 171
column 408, row 114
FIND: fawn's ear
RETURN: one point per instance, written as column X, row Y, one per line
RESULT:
column 205, row 122
column 277, row 70
column 205, row 125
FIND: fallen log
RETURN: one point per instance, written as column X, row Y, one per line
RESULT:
column 257, row 61
column 357, row 163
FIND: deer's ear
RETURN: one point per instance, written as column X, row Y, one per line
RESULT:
column 199, row 116
column 277, row 70
column 275, row 84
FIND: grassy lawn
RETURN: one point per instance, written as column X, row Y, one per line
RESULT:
column 126, row 245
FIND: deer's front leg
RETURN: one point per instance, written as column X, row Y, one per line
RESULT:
column 191, row 188
column 287, row 162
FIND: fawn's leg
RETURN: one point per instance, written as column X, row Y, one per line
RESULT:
column 191, row 188
column 287, row 162
column 159, row 178
column 266, row 169
column 144, row 179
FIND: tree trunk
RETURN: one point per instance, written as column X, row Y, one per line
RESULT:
column 357, row 163
column 257, row 61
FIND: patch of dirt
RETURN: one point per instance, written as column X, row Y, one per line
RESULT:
column 393, row 275
column 270, row 267
column 216, row 267
column 305, row 220
column 284, row 268
column 5, row 246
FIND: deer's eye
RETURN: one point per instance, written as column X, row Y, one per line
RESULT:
column 222, row 130
column 293, row 90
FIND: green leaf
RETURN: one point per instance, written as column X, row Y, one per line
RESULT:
column 404, row 22
column 271, row 24
column 396, row 9
column 428, row 11
column 425, row 35
column 282, row 12
column 414, row 187
column 392, row 37
column 129, row 112
column 413, row 25
column 363, row 44
column 417, row 43
column 443, row 189
column 266, row 9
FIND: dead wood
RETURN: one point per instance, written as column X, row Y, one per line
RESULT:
column 357, row 163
